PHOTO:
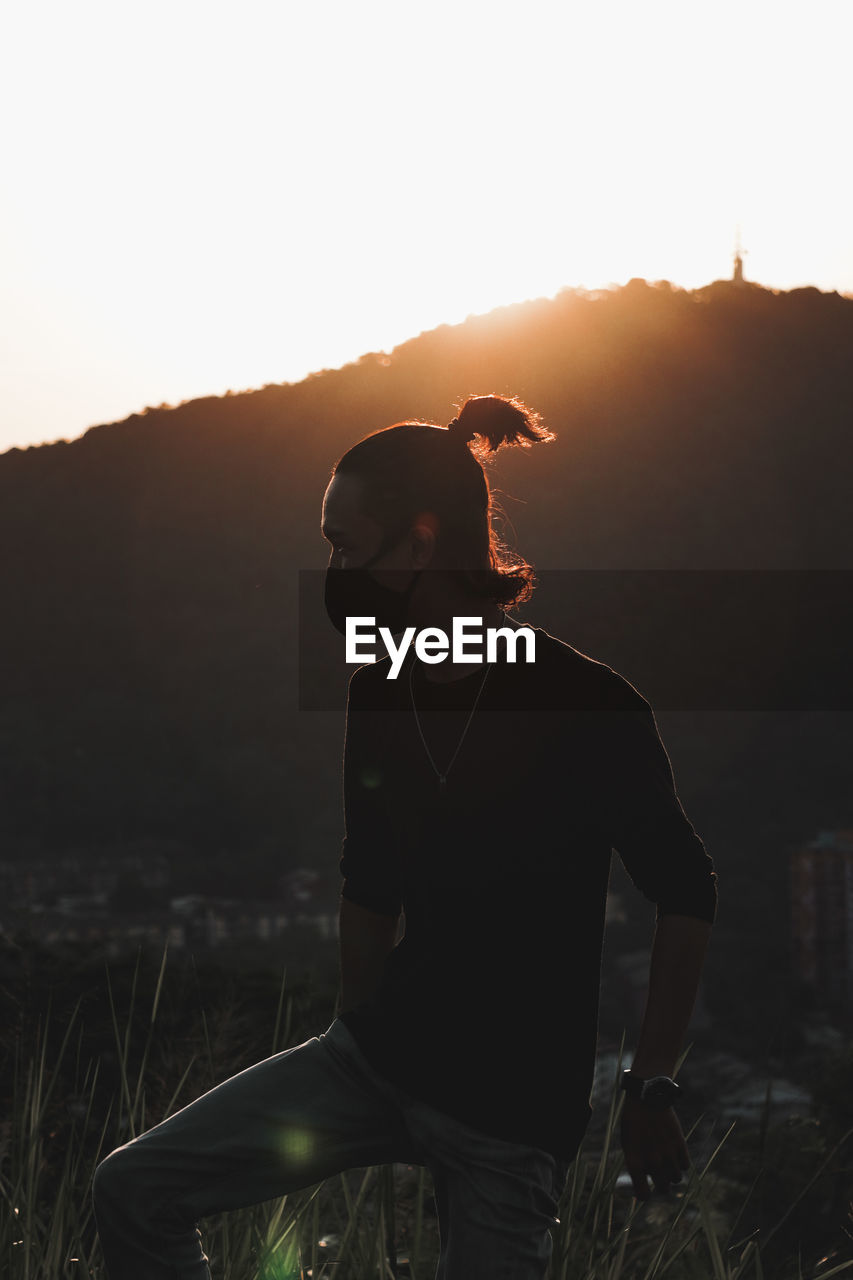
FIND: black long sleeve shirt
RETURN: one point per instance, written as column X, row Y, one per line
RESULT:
column 487, row 1008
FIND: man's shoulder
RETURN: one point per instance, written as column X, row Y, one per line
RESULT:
column 369, row 683
column 577, row 679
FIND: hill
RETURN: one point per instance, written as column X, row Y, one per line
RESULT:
column 150, row 677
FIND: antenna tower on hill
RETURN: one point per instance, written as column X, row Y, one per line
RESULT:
column 737, row 277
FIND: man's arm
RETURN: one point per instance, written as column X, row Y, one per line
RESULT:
column 365, row 938
column 652, row 1141
column 669, row 864
column 678, row 954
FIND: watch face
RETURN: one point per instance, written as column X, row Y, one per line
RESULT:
column 659, row 1092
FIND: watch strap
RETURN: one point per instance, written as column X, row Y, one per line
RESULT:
column 657, row 1092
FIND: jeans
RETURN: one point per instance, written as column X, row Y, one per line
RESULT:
column 294, row 1120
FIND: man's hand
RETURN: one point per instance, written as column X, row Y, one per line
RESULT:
column 654, row 1147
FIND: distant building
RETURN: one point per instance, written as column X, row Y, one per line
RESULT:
column 737, row 275
column 822, row 917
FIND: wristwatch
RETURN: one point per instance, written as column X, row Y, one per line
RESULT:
column 657, row 1093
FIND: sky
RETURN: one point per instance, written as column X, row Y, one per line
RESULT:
column 198, row 197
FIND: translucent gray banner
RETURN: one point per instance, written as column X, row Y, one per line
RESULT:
column 698, row 640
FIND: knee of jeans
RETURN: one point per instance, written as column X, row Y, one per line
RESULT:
column 114, row 1181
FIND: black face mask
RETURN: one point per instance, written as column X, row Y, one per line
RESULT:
column 355, row 593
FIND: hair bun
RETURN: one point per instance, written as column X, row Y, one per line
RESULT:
column 499, row 420
column 459, row 431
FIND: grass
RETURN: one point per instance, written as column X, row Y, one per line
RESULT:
column 362, row 1224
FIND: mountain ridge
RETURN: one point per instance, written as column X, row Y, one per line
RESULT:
column 149, row 661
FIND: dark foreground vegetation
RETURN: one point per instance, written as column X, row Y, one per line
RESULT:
column 93, row 1054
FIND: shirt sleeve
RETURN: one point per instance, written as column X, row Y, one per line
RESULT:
column 369, row 859
column 658, row 846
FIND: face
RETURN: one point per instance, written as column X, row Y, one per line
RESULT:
column 355, row 537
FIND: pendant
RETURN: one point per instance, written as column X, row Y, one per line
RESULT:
column 442, row 783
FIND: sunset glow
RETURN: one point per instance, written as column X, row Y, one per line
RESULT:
column 199, row 197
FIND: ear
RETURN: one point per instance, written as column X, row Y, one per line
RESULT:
column 423, row 539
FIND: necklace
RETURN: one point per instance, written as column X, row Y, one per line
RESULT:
column 442, row 777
